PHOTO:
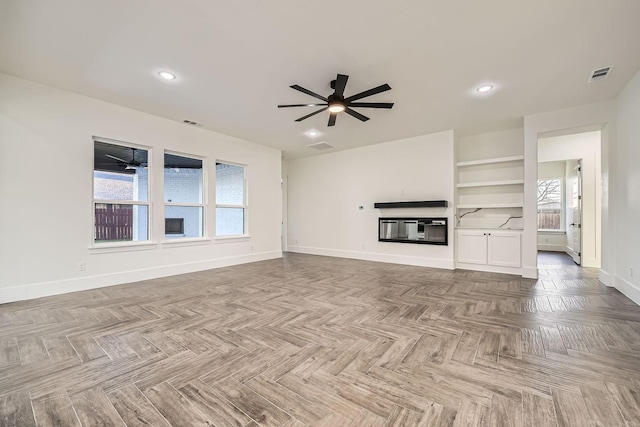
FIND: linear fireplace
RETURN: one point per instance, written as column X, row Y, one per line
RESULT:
column 428, row 231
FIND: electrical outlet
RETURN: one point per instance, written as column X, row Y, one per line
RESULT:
column 251, row 247
column 82, row 266
column 631, row 271
column 546, row 239
column 295, row 241
column 363, row 246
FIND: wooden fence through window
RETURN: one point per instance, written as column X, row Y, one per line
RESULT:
column 549, row 220
column 113, row 222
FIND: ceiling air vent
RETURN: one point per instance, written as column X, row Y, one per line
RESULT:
column 191, row 122
column 600, row 74
column 320, row 146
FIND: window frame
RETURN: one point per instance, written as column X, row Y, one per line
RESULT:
column 148, row 203
column 244, row 206
column 203, row 205
column 563, row 207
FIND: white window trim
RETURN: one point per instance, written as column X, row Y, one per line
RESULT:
column 563, row 208
column 244, row 206
column 97, row 247
column 189, row 240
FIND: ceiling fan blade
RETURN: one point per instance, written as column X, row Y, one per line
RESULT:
column 341, row 83
column 308, row 92
column 301, row 105
column 371, row 104
column 356, row 115
column 312, row 114
column 332, row 119
column 117, row 158
column 382, row 88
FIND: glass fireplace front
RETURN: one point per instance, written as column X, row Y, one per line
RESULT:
column 429, row 231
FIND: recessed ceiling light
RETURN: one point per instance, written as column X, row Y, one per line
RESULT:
column 312, row 133
column 484, row 89
column 167, row 75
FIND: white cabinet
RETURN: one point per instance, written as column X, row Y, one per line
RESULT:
column 488, row 250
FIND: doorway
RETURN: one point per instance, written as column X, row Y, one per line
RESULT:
column 569, row 197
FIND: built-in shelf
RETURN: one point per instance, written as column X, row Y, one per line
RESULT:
column 489, row 228
column 491, row 183
column 490, row 205
column 417, row 204
column 491, row 161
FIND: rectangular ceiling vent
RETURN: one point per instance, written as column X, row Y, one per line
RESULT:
column 191, row 122
column 600, row 74
column 320, row 146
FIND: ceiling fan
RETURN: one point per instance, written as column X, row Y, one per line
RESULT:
column 337, row 103
column 131, row 164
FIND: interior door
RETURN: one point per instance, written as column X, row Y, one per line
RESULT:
column 576, row 214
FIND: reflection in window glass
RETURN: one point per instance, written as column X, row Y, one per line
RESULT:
column 120, row 193
column 230, row 200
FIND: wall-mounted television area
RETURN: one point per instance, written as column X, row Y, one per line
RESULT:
column 426, row 231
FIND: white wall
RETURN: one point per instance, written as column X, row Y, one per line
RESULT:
column 326, row 191
column 626, row 192
column 46, row 216
column 584, row 146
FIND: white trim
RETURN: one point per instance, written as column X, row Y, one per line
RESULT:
column 606, row 278
column 530, row 272
column 43, row 289
column 490, row 205
column 551, row 248
column 122, row 247
column 489, row 268
column 490, row 183
column 629, row 289
column 491, row 161
column 447, row 264
column 231, row 239
column 189, row 241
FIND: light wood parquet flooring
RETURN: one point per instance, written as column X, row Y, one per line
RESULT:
column 319, row 341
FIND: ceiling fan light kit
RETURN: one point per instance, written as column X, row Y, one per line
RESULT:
column 337, row 103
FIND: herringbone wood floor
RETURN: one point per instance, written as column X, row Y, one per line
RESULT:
column 310, row 340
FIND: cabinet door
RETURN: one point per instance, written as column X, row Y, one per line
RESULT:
column 472, row 247
column 504, row 249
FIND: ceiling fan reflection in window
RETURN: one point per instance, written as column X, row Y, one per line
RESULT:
column 131, row 164
column 337, row 103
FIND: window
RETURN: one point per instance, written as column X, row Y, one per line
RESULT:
column 231, row 203
column 550, row 205
column 120, row 193
column 183, row 197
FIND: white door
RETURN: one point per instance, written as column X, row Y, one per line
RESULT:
column 472, row 247
column 576, row 214
column 503, row 249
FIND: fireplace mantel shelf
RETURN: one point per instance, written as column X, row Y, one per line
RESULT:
column 412, row 204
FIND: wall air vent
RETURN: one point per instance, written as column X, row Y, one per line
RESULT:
column 191, row 122
column 600, row 74
column 320, row 146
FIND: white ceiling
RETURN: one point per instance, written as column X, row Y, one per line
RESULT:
column 235, row 60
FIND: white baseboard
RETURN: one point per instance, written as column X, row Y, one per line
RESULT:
column 43, row 289
column 629, row 289
column 606, row 278
column 489, row 268
column 378, row 257
column 530, row 272
column 551, row 248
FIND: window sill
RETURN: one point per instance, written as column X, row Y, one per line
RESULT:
column 552, row 231
column 101, row 248
column 232, row 239
column 189, row 241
